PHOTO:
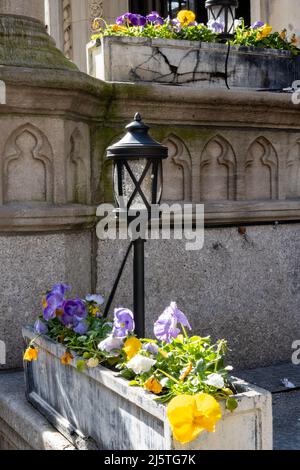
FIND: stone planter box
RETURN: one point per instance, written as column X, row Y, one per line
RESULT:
column 189, row 63
column 99, row 407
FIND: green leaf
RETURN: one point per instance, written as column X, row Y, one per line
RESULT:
column 80, row 366
column 133, row 383
column 231, row 404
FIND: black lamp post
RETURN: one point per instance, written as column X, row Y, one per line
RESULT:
column 223, row 11
column 137, row 182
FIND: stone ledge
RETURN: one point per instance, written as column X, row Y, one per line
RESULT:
column 21, row 426
column 39, row 217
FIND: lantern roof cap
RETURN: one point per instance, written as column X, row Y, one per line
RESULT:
column 137, row 143
column 224, row 3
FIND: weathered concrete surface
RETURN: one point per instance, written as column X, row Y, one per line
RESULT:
column 21, row 426
column 240, row 287
column 128, row 418
column 30, row 264
column 189, row 63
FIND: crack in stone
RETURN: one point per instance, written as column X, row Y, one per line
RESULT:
column 173, row 77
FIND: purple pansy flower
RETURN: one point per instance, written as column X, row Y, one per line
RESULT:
column 61, row 288
column 123, row 19
column 151, row 348
column 155, row 17
column 81, row 328
column 123, row 322
column 73, row 312
column 110, row 344
column 54, row 301
column 96, row 299
column 257, row 24
column 40, row 327
column 177, row 25
column 166, row 326
column 216, row 26
column 137, row 20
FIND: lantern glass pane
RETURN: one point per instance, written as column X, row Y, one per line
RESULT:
column 159, row 183
column 225, row 15
column 125, row 186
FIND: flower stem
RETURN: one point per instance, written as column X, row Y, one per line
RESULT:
column 168, row 375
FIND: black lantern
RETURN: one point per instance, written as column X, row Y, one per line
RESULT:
column 137, row 182
column 223, row 11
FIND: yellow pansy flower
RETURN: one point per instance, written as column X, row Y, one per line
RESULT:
column 264, row 32
column 117, row 27
column 31, row 354
column 294, row 39
column 190, row 415
column 186, row 17
column 132, row 347
column 95, row 311
column 283, row 34
column 153, row 385
column 67, row 358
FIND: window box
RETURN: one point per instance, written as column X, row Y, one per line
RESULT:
column 99, row 405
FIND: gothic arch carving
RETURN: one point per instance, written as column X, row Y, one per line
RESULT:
column 76, row 170
column 218, row 171
column 293, row 172
column 177, row 171
column 261, row 172
column 27, row 169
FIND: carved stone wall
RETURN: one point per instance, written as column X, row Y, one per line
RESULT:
column 44, row 163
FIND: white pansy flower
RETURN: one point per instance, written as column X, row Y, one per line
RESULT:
column 93, row 362
column 140, row 364
column 215, row 380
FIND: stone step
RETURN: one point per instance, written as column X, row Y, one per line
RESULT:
column 21, row 426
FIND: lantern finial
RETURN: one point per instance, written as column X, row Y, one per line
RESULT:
column 137, row 117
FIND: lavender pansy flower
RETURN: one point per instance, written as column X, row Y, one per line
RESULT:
column 155, row 17
column 123, row 322
column 179, row 315
column 111, row 344
column 151, row 348
column 257, row 24
column 216, row 26
column 81, row 328
column 176, row 24
column 40, row 327
column 96, row 299
column 165, row 328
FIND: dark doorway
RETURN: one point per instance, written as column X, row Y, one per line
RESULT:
column 170, row 7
